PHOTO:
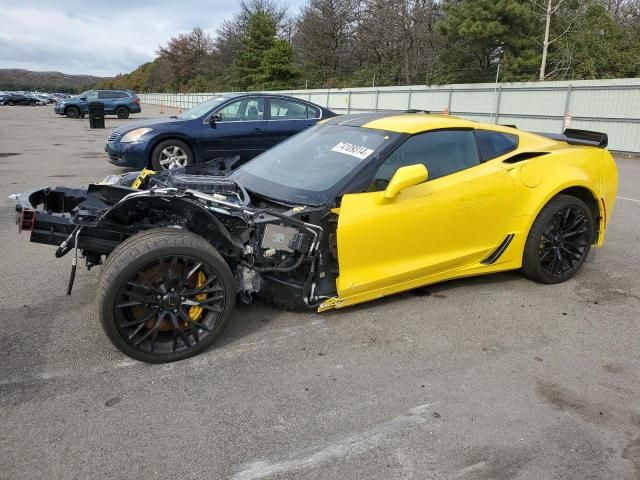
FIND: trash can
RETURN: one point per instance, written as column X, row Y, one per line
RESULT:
column 96, row 115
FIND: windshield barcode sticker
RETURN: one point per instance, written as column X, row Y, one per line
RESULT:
column 353, row 150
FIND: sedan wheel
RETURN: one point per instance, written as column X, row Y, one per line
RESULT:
column 173, row 157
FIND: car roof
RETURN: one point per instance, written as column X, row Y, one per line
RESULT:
column 261, row 94
column 401, row 122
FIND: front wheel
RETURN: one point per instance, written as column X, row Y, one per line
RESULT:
column 559, row 240
column 72, row 112
column 170, row 154
column 165, row 295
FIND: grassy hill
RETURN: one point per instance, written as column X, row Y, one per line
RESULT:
column 17, row 79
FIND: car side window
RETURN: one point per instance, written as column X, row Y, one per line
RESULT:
column 443, row 152
column 287, row 110
column 495, row 144
column 313, row 112
column 105, row 95
column 246, row 110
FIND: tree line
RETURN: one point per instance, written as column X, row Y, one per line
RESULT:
column 350, row 43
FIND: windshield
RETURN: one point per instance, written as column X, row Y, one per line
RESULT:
column 202, row 108
column 310, row 167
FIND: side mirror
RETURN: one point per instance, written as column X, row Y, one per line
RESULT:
column 216, row 117
column 405, row 177
column 83, row 98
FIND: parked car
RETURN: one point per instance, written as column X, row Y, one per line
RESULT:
column 350, row 210
column 116, row 102
column 39, row 99
column 43, row 98
column 13, row 98
column 243, row 125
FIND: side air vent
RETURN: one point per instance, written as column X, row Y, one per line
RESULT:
column 497, row 253
column 520, row 157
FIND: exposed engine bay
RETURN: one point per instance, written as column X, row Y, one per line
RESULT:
column 281, row 252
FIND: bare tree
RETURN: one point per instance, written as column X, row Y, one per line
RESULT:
column 324, row 37
column 549, row 9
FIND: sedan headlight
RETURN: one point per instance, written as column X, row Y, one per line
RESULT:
column 134, row 135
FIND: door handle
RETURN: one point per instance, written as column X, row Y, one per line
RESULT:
column 258, row 131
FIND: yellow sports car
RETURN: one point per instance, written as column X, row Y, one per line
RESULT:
column 353, row 209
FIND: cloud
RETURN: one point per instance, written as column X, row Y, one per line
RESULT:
column 99, row 38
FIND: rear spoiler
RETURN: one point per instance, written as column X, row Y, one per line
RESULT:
column 580, row 137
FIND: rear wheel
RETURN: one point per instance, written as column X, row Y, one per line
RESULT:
column 559, row 240
column 165, row 295
column 72, row 112
column 10, row 103
column 122, row 112
column 170, row 154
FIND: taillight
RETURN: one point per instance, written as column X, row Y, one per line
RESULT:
column 137, row 101
column 26, row 220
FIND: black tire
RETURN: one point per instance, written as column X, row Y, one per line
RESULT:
column 32, row 103
column 159, row 160
column 559, row 240
column 122, row 112
column 132, row 279
column 10, row 103
column 72, row 112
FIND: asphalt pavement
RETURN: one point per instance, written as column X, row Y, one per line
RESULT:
column 493, row 377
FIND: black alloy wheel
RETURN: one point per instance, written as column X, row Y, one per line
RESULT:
column 559, row 240
column 565, row 241
column 165, row 295
column 156, row 306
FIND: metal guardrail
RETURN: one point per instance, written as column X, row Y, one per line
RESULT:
column 611, row 106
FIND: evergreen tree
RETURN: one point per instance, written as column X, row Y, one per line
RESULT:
column 259, row 38
column 277, row 70
column 479, row 34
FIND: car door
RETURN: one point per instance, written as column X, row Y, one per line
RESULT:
column 288, row 117
column 452, row 221
column 108, row 99
column 238, row 128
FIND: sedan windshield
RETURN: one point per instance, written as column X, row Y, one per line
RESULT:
column 312, row 166
column 202, row 108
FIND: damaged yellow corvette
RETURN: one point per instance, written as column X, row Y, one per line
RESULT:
column 350, row 210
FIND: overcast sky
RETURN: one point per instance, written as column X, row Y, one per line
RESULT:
column 100, row 38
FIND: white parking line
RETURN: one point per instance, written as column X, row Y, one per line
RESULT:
column 344, row 447
column 629, row 199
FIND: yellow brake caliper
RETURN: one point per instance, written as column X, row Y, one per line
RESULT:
column 195, row 312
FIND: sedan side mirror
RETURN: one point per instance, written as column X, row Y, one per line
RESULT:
column 216, row 117
column 405, row 177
